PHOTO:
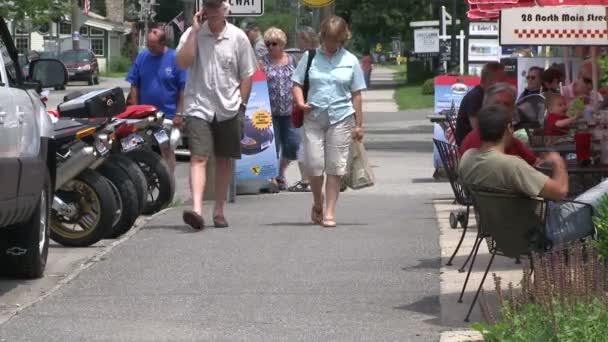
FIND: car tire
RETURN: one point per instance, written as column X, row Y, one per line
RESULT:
column 96, row 80
column 91, row 80
column 125, row 194
column 136, row 175
column 158, row 176
column 100, row 188
column 26, row 246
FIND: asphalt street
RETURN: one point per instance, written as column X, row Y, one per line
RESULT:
column 271, row 276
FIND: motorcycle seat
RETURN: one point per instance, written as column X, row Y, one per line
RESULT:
column 137, row 112
column 65, row 129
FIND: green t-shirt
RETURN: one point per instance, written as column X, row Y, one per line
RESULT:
column 500, row 171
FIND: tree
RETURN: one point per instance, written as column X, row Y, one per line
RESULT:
column 99, row 7
column 38, row 11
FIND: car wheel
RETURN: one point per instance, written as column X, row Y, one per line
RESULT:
column 26, row 246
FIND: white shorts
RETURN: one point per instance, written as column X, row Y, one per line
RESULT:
column 326, row 146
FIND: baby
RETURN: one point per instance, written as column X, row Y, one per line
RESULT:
column 558, row 122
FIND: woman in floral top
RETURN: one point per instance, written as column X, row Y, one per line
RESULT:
column 279, row 67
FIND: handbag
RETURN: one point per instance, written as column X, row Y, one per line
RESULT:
column 297, row 115
column 359, row 174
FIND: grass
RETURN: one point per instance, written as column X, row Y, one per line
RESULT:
column 410, row 97
column 114, row 74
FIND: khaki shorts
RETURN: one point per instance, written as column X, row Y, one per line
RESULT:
column 222, row 138
column 326, row 146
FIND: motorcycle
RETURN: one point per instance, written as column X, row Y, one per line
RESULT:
column 84, row 206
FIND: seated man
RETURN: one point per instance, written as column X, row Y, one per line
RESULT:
column 490, row 167
column 498, row 94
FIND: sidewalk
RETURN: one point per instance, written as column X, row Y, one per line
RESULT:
column 380, row 97
column 272, row 276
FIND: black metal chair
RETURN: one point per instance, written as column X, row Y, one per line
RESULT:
column 449, row 158
column 513, row 226
column 450, row 117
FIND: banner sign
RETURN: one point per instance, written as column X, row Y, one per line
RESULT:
column 259, row 155
column 554, row 25
column 483, row 28
column 451, row 89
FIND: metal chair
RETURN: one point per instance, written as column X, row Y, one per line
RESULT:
column 449, row 159
column 513, row 226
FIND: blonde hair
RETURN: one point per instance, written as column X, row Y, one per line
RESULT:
column 551, row 98
column 335, row 27
column 310, row 38
column 274, row 34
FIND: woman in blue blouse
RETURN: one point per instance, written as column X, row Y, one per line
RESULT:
column 333, row 115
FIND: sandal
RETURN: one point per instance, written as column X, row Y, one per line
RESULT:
column 316, row 215
column 281, row 183
column 300, row 186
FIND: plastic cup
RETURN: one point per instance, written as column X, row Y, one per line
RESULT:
column 583, row 146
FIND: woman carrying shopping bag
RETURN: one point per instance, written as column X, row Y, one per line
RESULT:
column 333, row 115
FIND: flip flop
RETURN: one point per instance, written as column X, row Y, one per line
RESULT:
column 220, row 222
column 299, row 187
column 193, row 219
column 329, row 224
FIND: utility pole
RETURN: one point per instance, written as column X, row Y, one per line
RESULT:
column 75, row 20
column 454, row 29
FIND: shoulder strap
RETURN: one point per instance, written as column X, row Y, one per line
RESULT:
column 311, row 56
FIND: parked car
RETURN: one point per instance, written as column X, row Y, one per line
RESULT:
column 27, row 160
column 82, row 65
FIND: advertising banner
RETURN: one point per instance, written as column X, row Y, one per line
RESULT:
column 517, row 68
column 258, row 162
column 554, row 25
column 450, row 89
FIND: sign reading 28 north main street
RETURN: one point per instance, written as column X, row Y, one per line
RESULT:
column 554, row 25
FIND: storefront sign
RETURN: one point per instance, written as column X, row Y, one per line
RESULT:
column 484, row 50
column 554, row 25
column 259, row 155
column 483, row 29
column 426, row 41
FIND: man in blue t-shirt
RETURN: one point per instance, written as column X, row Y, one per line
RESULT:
column 157, row 80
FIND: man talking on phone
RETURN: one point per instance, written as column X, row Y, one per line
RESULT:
column 221, row 64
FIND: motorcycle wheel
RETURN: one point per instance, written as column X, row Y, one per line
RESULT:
column 125, row 196
column 91, row 197
column 161, row 186
column 136, row 175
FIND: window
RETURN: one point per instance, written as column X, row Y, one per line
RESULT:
column 84, row 31
column 65, row 28
column 96, row 32
column 22, row 44
column 97, row 46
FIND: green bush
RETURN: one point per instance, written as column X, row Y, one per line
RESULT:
column 600, row 221
column 120, row 64
column 428, row 87
column 566, row 300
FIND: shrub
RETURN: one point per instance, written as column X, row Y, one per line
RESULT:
column 566, row 301
column 428, row 87
column 120, row 64
column 600, row 221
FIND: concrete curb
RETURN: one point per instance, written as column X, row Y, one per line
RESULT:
column 139, row 223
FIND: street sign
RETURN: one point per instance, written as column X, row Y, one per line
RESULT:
column 317, row 3
column 246, row 8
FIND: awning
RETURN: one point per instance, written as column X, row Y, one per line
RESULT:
column 490, row 9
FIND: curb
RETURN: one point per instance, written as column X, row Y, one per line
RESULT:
column 461, row 336
column 139, row 223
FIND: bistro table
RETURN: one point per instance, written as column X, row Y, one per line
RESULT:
column 562, row 149
column 581, row 178
column 436, row 118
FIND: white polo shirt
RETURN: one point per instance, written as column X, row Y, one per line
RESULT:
column 212, row 88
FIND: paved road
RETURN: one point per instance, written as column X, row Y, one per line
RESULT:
column 271, row 276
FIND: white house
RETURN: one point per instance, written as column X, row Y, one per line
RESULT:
column 104, row 37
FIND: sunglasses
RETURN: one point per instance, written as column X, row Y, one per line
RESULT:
column 269, row 44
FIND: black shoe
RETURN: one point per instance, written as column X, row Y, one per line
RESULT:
column 193, row 219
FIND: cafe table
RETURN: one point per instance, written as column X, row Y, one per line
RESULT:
column 581, row 177
column 562, row 149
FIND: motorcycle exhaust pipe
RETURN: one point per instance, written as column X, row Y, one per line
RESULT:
column 75, row 164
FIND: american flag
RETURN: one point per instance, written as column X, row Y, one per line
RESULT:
column 87, row 7
column 180, row 21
